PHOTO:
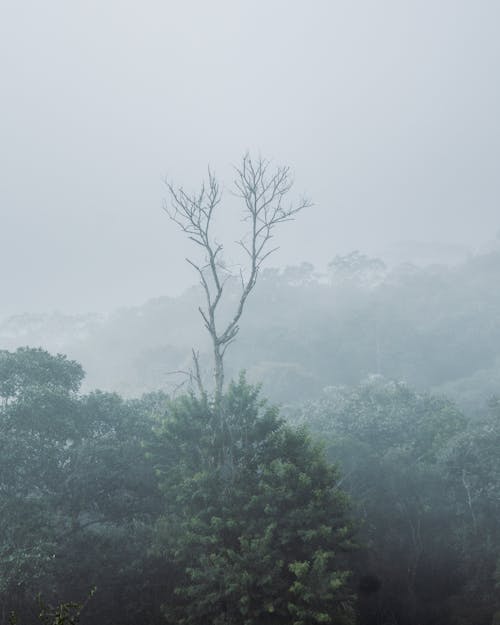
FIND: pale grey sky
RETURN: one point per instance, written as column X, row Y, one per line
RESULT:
column 387, row 110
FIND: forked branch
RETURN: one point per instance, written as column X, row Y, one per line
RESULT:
column 264, row 193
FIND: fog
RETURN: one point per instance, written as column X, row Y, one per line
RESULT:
column 301, row 424
column 387, row 112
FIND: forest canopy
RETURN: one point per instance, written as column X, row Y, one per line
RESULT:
column 140, row 499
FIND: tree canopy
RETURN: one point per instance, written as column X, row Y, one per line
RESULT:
column 259, row 534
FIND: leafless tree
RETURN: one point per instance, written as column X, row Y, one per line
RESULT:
column 263, row 190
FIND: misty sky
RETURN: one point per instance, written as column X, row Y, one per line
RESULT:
column 387, row 111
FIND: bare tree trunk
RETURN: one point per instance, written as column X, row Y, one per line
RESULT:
column 218, row 375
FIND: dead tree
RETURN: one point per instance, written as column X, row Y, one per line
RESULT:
column 263, row 191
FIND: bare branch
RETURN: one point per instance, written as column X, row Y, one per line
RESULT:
column 197, row 372
column 263, row 192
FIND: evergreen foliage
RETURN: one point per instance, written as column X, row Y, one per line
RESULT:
column 255, row 522
column 183, row 513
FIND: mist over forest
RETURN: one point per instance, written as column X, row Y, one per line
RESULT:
column 432, row 326
column 250, row 316
column 394, row 370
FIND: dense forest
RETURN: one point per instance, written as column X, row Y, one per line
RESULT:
column 359, row 484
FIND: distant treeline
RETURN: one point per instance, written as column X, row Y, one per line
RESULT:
column 436, row 327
